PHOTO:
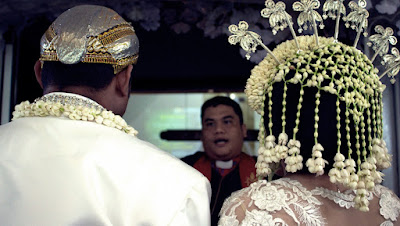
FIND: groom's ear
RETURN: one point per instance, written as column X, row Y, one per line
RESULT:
column 123, row 80
column 37, row 68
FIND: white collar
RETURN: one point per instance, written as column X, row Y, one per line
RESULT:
column 224, row 164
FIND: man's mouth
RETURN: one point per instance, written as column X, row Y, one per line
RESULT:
column 221, row 142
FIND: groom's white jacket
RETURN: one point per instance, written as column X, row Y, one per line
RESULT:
column 56, row 171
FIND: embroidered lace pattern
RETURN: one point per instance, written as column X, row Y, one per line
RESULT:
column 74, row 107
column 262, row 200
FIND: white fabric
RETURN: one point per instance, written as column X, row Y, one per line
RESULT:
column 287, row 202
column 224, row 164
column 56, row 171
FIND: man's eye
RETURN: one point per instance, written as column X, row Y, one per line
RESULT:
column 228, row 121
column 209, row 124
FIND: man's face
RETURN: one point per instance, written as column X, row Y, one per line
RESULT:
column 222, row 134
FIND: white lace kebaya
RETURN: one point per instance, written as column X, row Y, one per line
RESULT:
column 260, row 203
column 74, row 107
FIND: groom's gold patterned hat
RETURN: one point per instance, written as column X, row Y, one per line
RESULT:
column 90, row 34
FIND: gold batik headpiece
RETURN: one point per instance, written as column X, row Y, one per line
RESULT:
column 332, row 68
column 90, row 34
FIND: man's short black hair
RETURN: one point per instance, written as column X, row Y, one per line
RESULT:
column 221, row 100
column 95, row 76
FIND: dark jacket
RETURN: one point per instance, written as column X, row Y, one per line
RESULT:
column 222, row 187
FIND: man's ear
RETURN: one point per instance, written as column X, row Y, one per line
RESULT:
column 122, row 79
column 244, row 130
column 38, row 72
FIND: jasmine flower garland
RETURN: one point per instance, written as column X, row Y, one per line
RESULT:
column 72, row 107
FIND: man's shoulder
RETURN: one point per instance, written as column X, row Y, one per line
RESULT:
column 192, row 159
column 150, row 155
column 249, row 157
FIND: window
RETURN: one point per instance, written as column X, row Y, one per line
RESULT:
column 153, row 114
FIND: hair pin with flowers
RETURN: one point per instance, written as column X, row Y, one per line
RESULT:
column 333, row 68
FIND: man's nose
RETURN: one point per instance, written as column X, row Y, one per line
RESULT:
column 219, row 127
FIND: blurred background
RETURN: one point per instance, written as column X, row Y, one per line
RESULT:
column 185, row 59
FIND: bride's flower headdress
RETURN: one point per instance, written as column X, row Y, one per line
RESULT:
column 332, row 68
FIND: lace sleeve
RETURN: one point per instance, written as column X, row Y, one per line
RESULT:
column 245, row 207
column 233, row 210
column 389, row 203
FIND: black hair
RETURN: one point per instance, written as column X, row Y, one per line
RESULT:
column 221, row 100
column 327, row 130
column 95, row 76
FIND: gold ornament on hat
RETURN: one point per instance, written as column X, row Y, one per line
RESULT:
column 333, row 68
column 90, row 34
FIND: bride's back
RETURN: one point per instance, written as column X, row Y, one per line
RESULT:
column 298, row 200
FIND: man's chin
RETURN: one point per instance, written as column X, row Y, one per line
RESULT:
column 224, row 157
column 222, row 154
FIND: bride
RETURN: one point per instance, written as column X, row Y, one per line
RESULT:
column 320, row 103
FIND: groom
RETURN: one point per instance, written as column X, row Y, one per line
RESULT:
column 70, row 159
